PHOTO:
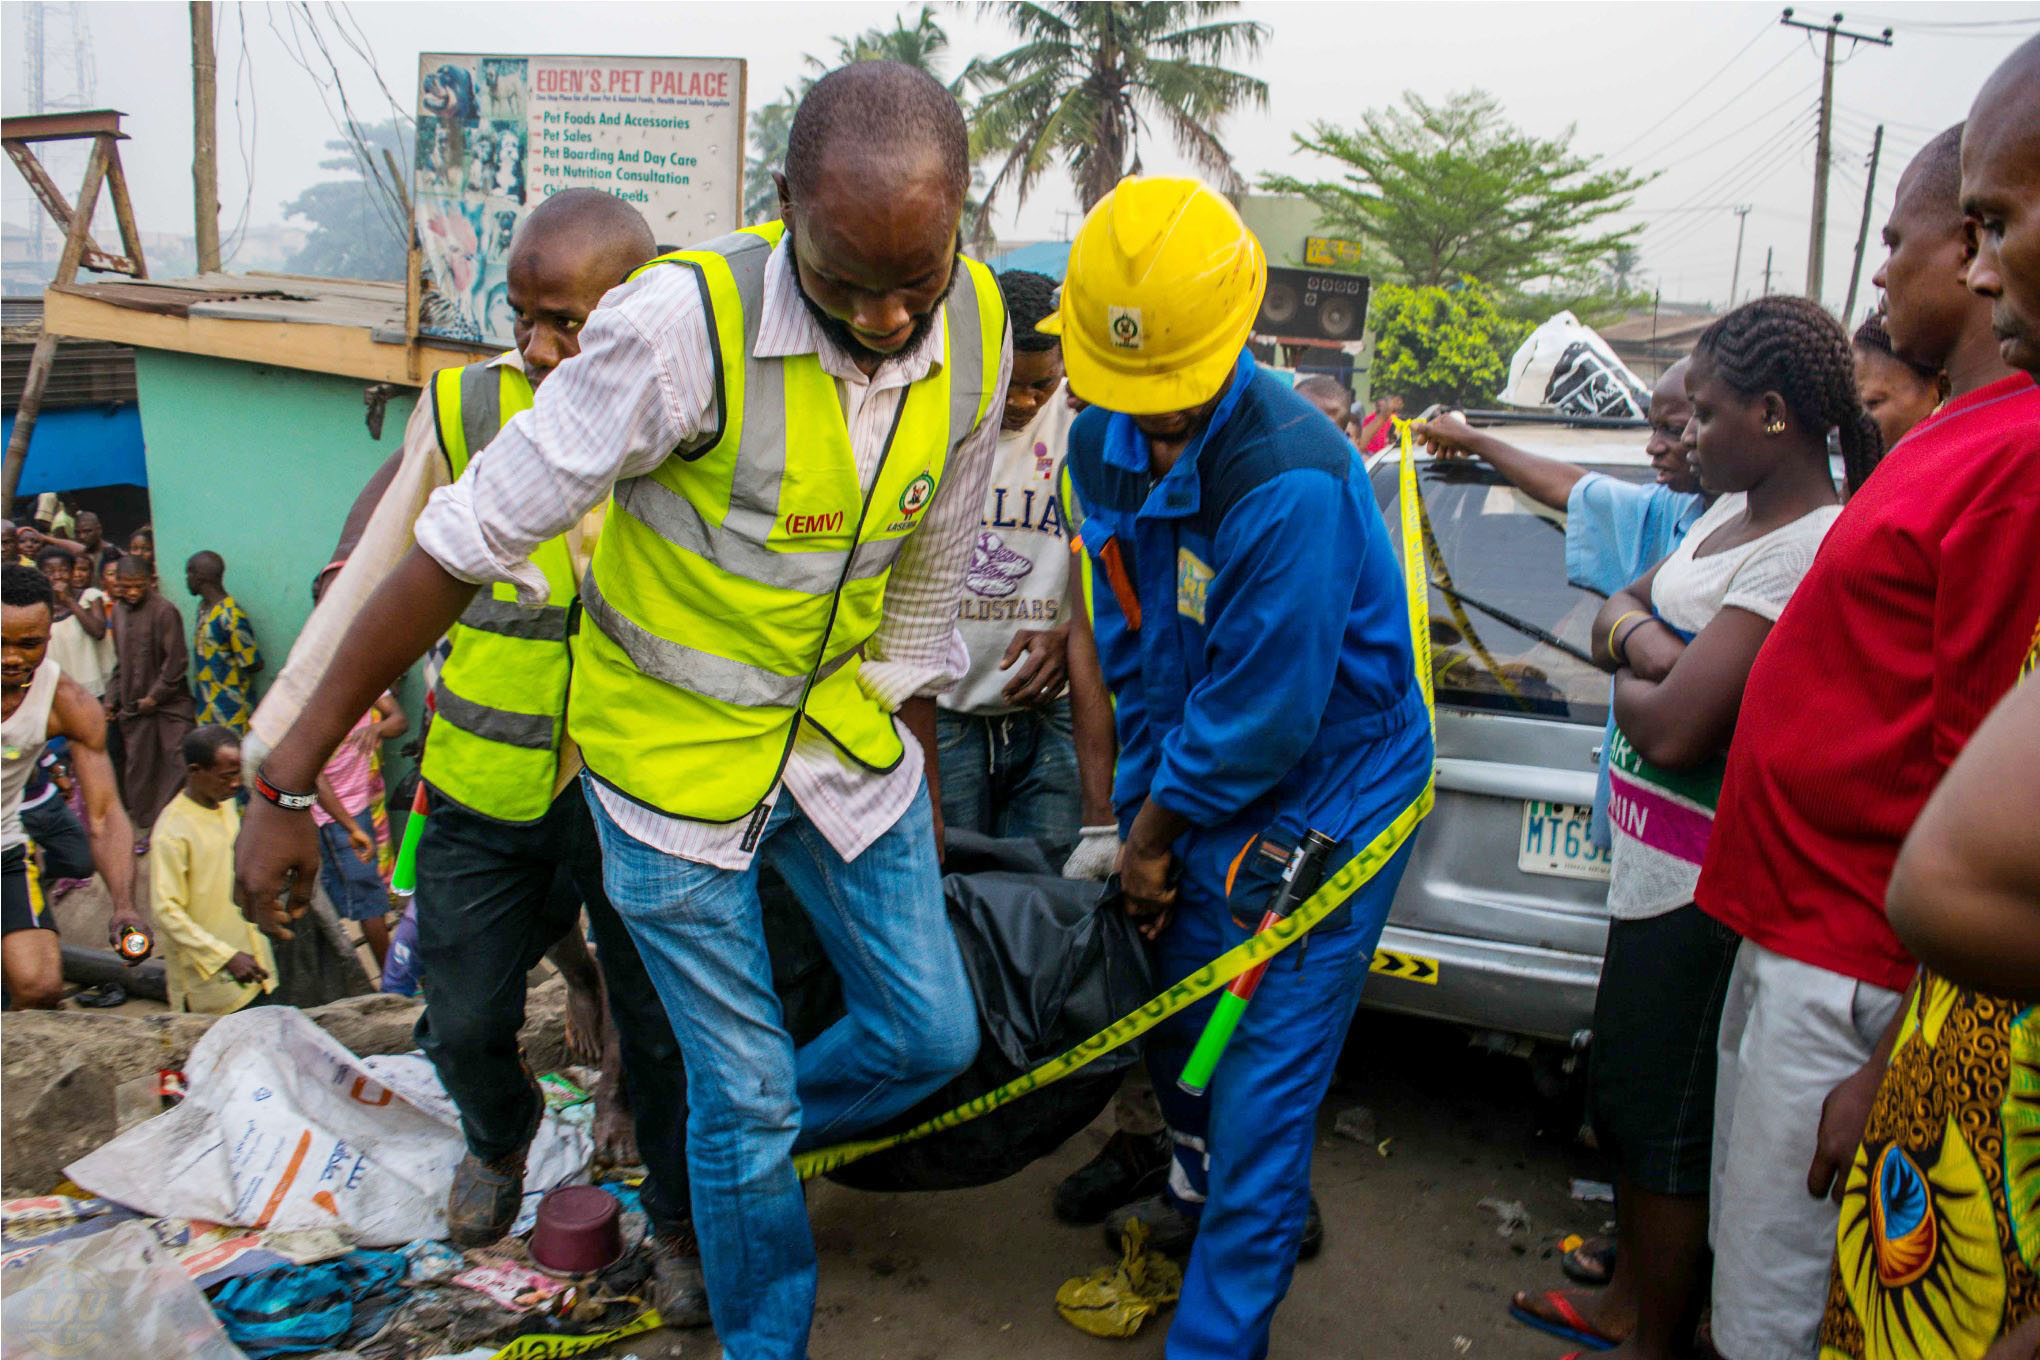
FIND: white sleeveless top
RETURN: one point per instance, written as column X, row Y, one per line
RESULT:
column 25, row 733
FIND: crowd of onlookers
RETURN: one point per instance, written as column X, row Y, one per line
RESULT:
column 174, row 710
column 1824, row 1127
column 1823, row 1112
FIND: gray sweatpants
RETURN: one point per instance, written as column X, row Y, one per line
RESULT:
column 1789, row 1033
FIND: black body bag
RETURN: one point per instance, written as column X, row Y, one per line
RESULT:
column 1051, row 961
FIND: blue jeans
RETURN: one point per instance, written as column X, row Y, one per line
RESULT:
column 752, row 1099
column 357, row 890
column 1012, row 774
column 1243, row 1148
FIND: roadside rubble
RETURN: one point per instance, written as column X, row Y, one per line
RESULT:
column 290, row 1203
column 62, row 1072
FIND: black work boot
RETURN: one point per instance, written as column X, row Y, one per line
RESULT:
column 483, row 1203
column 1313, row 1232
column 677, row 1289
column 485, row 1198
column 1172, row 1232
column 1130, row 1166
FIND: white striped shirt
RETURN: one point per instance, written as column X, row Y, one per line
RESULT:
column 642, row 385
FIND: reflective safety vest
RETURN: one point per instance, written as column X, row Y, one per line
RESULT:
column 500, row 705
column 736, row 584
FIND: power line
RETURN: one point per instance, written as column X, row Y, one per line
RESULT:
column 1890, row 122
column 1722, row 182
column 385, row 200
column 1781, row 145
column 1745, row 178
column 1704, row 120
column 1949, row 26
column 1798, row 94
column 403, row 116
column 1679, row 107
column 245, row 128
column 1823, row 157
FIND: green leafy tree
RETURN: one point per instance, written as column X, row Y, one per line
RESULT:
column 1088, row 78
column 1437, row 344
column 358, row 228
column 1443, row 191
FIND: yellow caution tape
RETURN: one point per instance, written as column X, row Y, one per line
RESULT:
column 1350, row 878
column 542, row 1347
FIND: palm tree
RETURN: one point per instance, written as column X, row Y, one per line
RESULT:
column 1088, row 78
column 921, row 44
column 770, row 126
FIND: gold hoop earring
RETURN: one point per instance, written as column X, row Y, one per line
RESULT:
column 1774, row 427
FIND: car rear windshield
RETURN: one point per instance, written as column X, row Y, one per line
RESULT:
column 1508, row 634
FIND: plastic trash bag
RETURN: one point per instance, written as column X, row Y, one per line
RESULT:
column 1052, row 962
column 284, row 1129
column 1565, row 366
column 116, row 1293
column 1118, row 1299
column 300, row 1309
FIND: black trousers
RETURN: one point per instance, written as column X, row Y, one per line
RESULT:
column 67, row 850
column 487, row 912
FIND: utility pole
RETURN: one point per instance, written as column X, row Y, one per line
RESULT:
column 1816, row 245
column 1863, row 230
column 205, row 172
column 1767, row 270
column 1742, row 219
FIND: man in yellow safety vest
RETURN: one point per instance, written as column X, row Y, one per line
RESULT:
column 509, row 855
column 793, row 425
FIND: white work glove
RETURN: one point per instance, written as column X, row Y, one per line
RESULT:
column 1096, row 855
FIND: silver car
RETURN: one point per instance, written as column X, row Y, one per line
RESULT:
column 1501, row 919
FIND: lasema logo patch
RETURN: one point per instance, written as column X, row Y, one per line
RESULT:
column 913, row 501
column 915, row 498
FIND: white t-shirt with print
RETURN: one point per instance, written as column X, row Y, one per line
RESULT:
column 1020, row 565
column 1659, row 822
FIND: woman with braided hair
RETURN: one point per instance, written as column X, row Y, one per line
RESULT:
column 1767, row 384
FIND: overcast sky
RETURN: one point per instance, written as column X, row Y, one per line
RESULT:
column 1718, row 98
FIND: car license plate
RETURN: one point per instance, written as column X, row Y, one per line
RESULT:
column 1556, row 842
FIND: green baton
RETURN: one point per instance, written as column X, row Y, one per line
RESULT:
column 1300, row 879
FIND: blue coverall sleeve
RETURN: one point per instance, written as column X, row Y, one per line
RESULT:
column 1289, row 561
column 1119, row 659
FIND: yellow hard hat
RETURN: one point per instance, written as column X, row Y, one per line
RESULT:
column 1164, row 281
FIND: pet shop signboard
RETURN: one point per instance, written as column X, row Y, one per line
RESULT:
column 498, row 135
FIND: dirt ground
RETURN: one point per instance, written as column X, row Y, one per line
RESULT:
column 1412, row 1266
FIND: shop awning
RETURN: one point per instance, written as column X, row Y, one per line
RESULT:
column 80, row 446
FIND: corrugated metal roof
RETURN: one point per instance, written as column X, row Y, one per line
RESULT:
column 260, row 297
column 82, row 372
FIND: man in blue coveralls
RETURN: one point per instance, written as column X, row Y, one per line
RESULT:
column 1252, row 627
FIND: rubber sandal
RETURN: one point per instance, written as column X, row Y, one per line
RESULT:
column 1569, row 1326
column 1591, row 1263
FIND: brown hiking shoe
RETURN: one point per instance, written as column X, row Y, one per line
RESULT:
column 677, row 1289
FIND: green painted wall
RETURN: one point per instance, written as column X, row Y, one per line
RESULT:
column 1281, row 221
column 260, row 465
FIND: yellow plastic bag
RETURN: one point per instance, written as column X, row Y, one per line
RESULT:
column 1118, row 1299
